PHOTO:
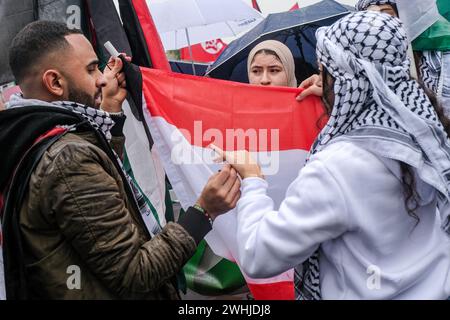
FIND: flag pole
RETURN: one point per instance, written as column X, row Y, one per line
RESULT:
column 190, row 50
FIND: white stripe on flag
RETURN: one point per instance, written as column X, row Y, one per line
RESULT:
column 147, row 167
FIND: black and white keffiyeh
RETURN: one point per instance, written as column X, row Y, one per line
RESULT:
column 379, row 108
column 362, row 5
column 434, row 68
column 99, row 119
column 431, row 73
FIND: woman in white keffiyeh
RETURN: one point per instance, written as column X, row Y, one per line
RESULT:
column 361, row 219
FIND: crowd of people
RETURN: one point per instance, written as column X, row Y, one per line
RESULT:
column 373, row 195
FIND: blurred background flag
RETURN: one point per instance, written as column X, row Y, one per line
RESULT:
column 417, row 15
column 207, row 51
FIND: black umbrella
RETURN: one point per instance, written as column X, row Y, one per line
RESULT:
column 296, row 29
column 186, row 67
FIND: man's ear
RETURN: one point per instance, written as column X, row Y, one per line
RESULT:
column 54, row 83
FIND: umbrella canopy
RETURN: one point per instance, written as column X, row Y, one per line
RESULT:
column 296, row 29
column 186, row 67
column 200, row 20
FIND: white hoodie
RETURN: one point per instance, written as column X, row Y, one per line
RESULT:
column 350, row 203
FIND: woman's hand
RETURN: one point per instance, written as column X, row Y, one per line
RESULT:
column 221, row 193
column 241, row 161
column 312, row 86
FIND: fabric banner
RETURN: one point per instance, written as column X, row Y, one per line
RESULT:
column 256, row 5
column 143, row 159
column 185, row 114
column 207, row 51
column 437, row 36
column 417, row 15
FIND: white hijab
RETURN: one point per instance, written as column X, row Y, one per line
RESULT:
column 283, row 53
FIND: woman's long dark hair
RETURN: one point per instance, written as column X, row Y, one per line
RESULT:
column 322, row 121
column 412, row 198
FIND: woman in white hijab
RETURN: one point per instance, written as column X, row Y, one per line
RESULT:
column 270, row 63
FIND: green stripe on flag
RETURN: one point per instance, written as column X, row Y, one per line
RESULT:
column 444, row 8
column 210, row 275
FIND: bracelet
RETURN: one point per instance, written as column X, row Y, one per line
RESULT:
column 114, row 114
column 117, row 114
column 203, row 211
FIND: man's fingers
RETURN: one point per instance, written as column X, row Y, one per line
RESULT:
column 232, row 178
column 233, row 190
column 117, row 67
column 127, row 58
column 223, row 175
column 237, row 196
column 120, row 77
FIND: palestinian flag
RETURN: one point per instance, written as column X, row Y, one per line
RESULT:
column 182, row 114
column 206, row 274
column 172, row 116
column 185, row 114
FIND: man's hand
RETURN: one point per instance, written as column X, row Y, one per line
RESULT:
column 115, row 92
column 312, row 86
column 221, row 193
